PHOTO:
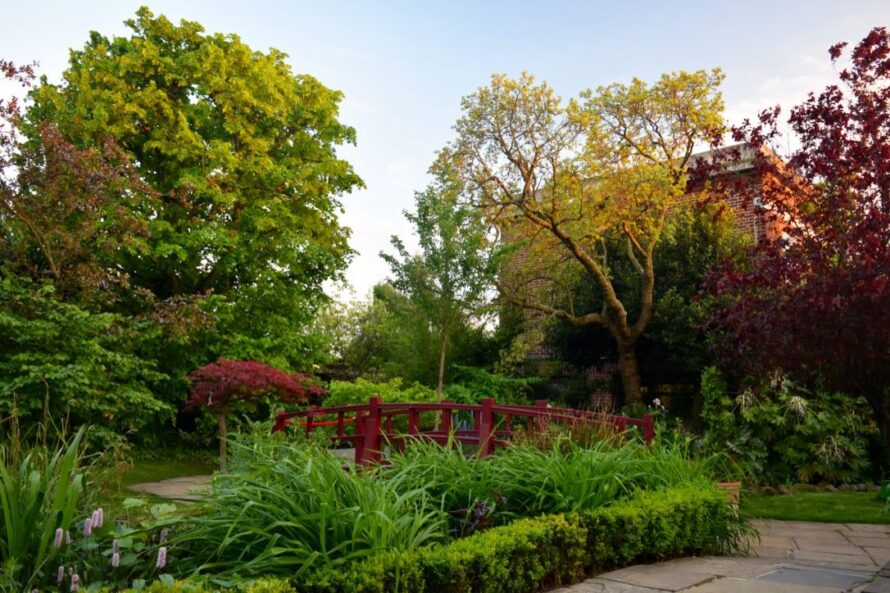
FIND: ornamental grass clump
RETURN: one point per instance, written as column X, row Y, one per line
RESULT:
column 526, row 481
column 288, row 514
column 39, row 498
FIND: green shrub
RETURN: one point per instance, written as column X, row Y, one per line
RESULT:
column 531, row 554
column 660, row 524
column 470, row 384
column 345, row 393
column 59, row 360
column 523, row 556
column 777, row 431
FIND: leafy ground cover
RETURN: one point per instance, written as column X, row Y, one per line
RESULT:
column 834, row 507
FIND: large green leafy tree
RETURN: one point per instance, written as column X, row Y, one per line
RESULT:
column 241, row 155
column 62, row 222
column 385, row 341
column 447, row 281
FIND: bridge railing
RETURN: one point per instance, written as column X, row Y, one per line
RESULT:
column 491, row 426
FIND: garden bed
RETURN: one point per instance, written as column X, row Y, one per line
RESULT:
column 530, row 554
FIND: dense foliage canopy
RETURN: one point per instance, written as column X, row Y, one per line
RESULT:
column 183, row 188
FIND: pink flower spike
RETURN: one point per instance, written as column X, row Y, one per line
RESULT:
column 60, row 574
column 67, row 538
column 88, row 527
column 115, row 560
column 60, row 533
column 101, row 516
column 162, row 558
column 75, row 582
column 116, row 546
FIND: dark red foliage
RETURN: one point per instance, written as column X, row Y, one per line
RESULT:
column 815, row 300
column 220, row 384
column 10, row 108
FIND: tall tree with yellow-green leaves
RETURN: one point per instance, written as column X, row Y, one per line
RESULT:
column 239, row 154
column 568, row 182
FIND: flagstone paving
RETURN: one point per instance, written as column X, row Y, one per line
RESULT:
column 789, row 557
column 186, row 488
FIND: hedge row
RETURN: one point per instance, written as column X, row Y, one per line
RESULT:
column 532, row 554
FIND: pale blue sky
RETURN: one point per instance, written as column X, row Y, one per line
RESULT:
column 404, row 66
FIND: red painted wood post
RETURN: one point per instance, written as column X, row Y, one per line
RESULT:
column 486, row 427
column 648, row 428
column 309, row 420
column 445, row 422
column 340, row 427
column 359, row 423
column 413, row 420
column 371, row 446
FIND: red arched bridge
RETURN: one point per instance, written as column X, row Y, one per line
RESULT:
column 487, row 425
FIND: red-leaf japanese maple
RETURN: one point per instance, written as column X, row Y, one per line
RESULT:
column 815, row 302
column 220, row 385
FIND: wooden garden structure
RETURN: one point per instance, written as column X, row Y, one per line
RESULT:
column 487, row 425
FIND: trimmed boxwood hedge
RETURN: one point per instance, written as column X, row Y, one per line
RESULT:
column 529, row 555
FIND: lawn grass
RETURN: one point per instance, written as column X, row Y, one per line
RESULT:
column 829, row 507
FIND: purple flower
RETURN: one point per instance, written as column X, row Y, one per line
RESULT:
column 88, row 527
column 101, row 514
column 75, row 582
column 60, row 533
column 116, row 546
column 115, row 560
column 162, row 557
column 60, row 574
column 67, row 538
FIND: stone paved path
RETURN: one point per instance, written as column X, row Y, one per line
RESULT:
column 187, row 488
column 790, row 557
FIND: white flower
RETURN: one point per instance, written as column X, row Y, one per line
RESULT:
column 162, row 558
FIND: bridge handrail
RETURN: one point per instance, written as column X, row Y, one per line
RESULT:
column 369, row 420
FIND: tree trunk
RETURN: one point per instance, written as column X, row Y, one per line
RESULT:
column 440, row 386
column 629, row 368
column 443, row 344
column 223, row 440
